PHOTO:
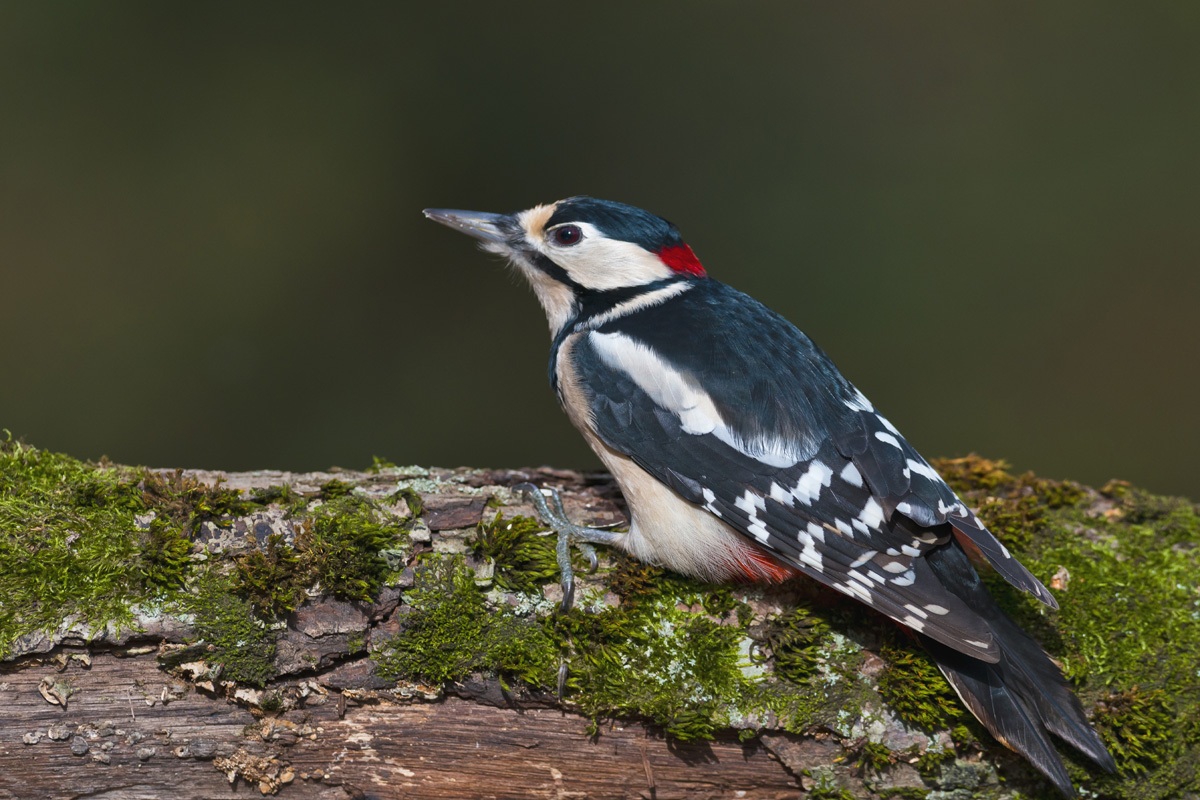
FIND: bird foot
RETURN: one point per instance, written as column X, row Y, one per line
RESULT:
column 555, row 516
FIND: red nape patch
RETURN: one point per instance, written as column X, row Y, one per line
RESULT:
column 757, row 566
column 680, row 258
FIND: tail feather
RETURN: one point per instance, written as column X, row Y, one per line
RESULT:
column 1041, row 681
column 1022, row 696
column 1002, row 710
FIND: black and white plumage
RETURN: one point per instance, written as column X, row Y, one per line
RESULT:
column 743, row 453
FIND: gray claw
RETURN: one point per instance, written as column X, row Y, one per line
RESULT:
column 555, row 516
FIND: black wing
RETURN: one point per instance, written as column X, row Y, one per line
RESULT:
column 739, row 412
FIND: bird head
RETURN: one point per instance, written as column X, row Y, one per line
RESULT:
column 580, row 247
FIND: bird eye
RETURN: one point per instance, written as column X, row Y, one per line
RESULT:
column 567, row 235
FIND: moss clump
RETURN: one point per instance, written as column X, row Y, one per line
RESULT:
column 241, row 644
column 187, row 502
column 827, row 788
column 333, row 488
column 972, row 473
column 272, row 580
column 340, row 545
column 379, row 464
column 683, row 670
column 416, row 506
column 874, row 757
column 915, row 690
column 165, row 556
column 795, row 642
column 338, row 551
column 524, row 559
column 448, row 633
column 71, row 546
column 285, row 497
column 1136, row 728
column 88, row 542
column 634, row 580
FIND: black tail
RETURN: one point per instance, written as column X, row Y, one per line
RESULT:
column 1023, row 695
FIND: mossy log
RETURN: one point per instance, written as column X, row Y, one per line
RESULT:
column 395, row 633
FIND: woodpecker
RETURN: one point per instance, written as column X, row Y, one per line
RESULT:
column 744, row 454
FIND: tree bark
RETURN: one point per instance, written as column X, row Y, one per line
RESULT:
column 138, row 710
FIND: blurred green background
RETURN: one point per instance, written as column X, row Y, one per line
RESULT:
column 212, row 253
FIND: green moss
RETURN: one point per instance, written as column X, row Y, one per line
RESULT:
column 339, row 549
column 188, row 502
column 681, row 670
column 341, row 544
column 241, row 644
column 272, row 702
column 913, row 793
column 524, row 560
column 827, row 788
column 930, row 762
column 874, row 757
column 379, row 464
column 1136, row 727
column 915, row 690
column 972, row 473
column 90, row 540
column 165, row 558
column 334, row 488
column 70, row 545
column 449, row 633
column 795, row 642
column 416, row 506
column 271, row 580
column 690, row 665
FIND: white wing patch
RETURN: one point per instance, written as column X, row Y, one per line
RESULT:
column 809, row 538
column 851, row 475
column 887, row 438
column 859, row 402
column 924, row 470
column 808, row 487
column 675, row 392
column 752, row 504
column 872, row 514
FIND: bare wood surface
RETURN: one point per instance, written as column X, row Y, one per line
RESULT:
column 119, row 739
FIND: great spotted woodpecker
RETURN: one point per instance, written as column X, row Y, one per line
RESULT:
column 743, row 453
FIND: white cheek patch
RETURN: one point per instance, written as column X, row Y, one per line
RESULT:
column 675, row 392
column 596, row 262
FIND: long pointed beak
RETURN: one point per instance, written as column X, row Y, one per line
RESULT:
column 478, row 224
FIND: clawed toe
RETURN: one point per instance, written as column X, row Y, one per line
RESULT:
column 555, row 516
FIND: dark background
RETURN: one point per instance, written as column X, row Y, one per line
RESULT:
column 212, row 253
